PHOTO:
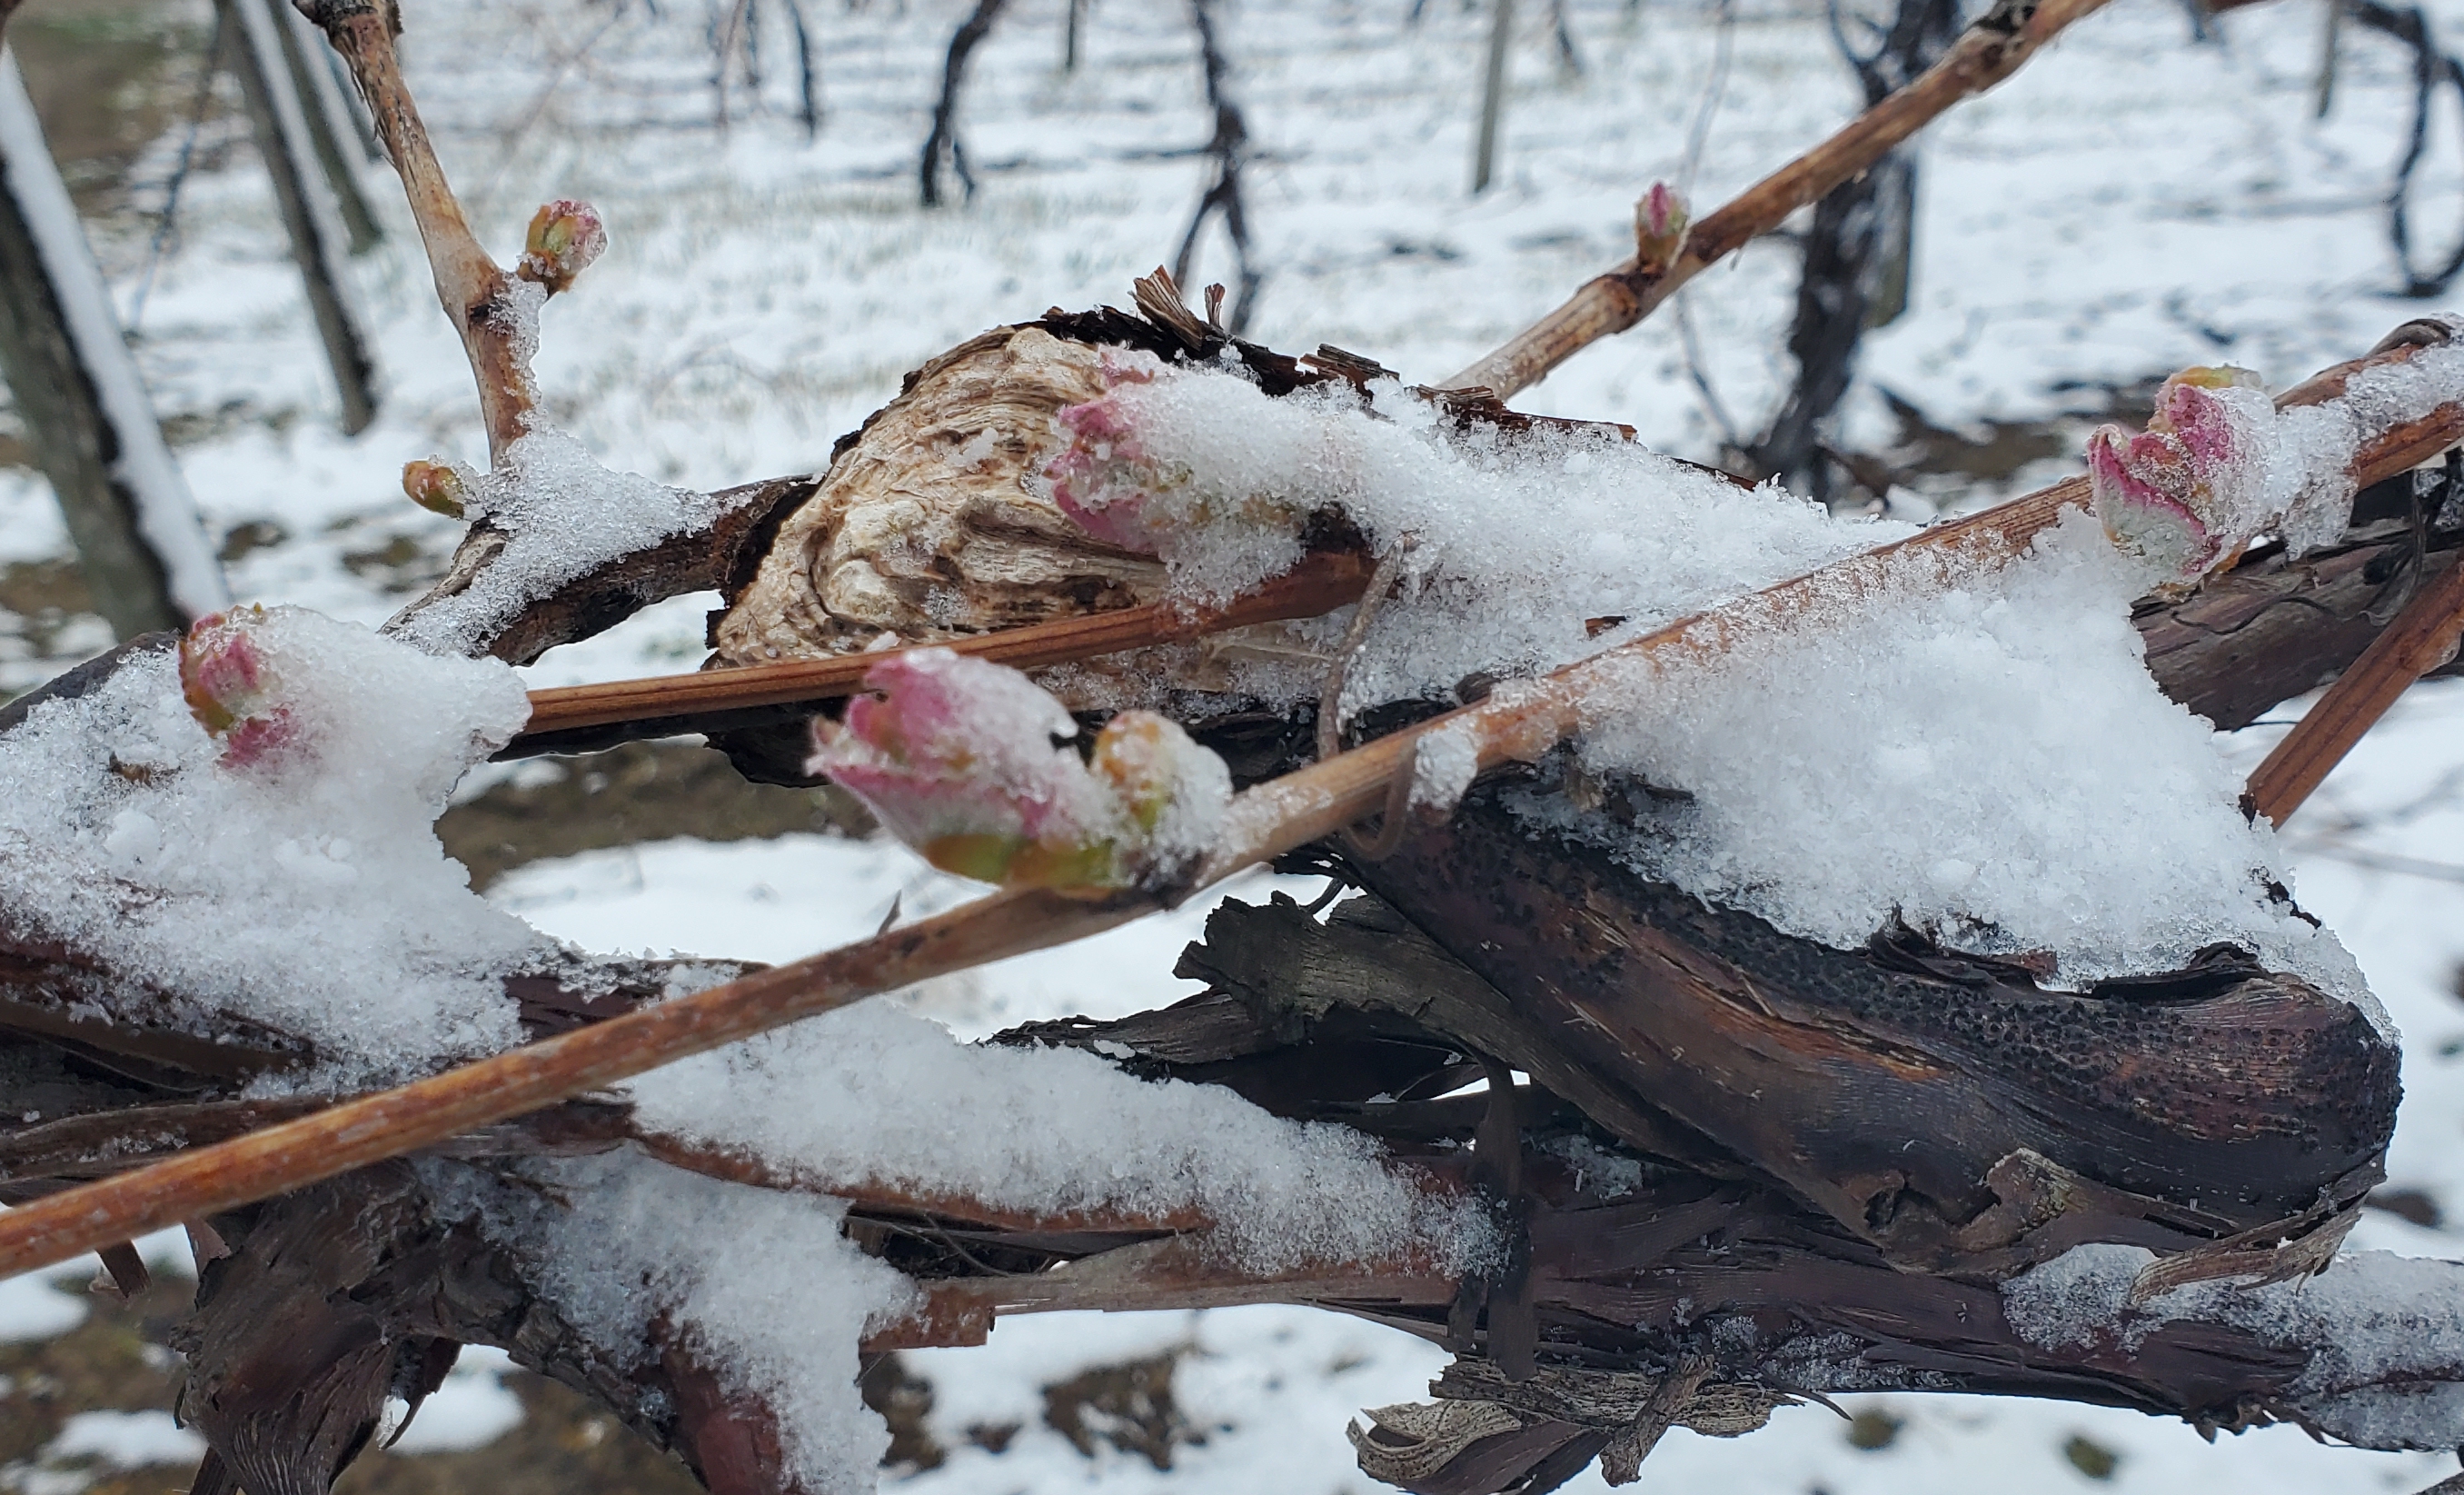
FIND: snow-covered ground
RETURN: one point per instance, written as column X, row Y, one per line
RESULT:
column 2129, row 204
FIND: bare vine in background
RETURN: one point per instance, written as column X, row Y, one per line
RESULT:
column 1227, row 150
column 1858, row 250
column 1698, row 136
column 2433, row 69
column 739, row 31
column 808, row 70
column 944, row 141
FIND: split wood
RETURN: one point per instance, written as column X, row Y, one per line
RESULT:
column 1320, row 583
column 1515, row 723
column 1990, row 49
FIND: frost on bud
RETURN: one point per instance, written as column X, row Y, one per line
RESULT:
column 438, row 487
column 231, row 691
column 565, row 236
column 970, row 763
column 2181, row 495
column 1660, row 224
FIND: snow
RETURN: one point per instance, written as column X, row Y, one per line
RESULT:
column 471, row 1410
column 764, row 296
column 1973, row 747
column 166, row 517
column 31, row 1307
column 125, row 1440
column 2380, row 1322
column 870, row 1093
column 2309, row 478
column 1518, row 541
column 635, row 1242
column 303, row 890
column 564, row 515
column 1982, row 755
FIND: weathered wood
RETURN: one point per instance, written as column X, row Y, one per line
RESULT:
column 1734, row 1263
column 2272, row 629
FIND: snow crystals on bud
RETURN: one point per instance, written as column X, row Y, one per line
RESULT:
column 438, row 486
column 1110, row 481
column 231, row 689
column 2188, row 494
column 1660, row 223
column 969, row 763
column 565, row 236
column 1102, row 479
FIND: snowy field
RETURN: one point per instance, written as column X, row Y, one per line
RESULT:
column 2131, row 203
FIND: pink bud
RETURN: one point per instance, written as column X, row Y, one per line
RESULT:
column 438, row 487
column 565, row 236
column 229, row 688
column 1102, row 479
column 1660, row 223
column 2171, row 494
column 969, row 763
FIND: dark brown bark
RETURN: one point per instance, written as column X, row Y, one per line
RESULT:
column 1708, row 1250
column 697, row 561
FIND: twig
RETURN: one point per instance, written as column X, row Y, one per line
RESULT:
column 1379, row 844
column 391, row 1122
column 2422, row 638
column 1321, row 584
column 1262, row 823
column 1989, row 50
column 1178, row 1272
column 476, row 292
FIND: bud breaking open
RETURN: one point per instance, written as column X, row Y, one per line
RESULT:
column 970, row 763
column 2182, row 494
column 1660, row 223
column 438, row 487
column 231, row 691
column 565, row 236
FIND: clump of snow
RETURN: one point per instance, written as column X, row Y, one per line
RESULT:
column 564, row 516
column 2309, row 462
column 1529, row 549
column 872, row 1094
column 1978, row 751
column 301, row 889
column 1445, row 761
column 761, row 1281
column 1971, row 746
column 2385, row 1331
